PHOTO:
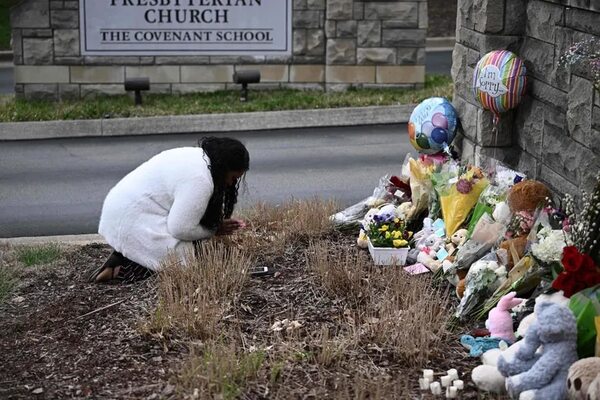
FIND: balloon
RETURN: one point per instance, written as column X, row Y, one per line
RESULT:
column 499, row 81
column 432, row 125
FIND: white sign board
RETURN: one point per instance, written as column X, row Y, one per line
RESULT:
column 185, row 27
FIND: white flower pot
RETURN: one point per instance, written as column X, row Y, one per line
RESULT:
column 388, row 255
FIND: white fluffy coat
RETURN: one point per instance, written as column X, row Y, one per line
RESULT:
column 156, row 208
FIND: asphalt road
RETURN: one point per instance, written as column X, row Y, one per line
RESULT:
column 7, row 80
column 56, row 187
column 437, row 62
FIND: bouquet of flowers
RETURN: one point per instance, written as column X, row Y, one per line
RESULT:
column 460, row 195
column 580, row 272
column 488, row 199
column 581, row 260
column 387, row 230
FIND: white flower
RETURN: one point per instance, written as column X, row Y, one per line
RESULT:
column 550, row 245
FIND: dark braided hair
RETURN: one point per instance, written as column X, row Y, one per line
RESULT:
column 226, row 155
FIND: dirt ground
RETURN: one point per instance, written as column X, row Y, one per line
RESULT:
column 442, row 18
column 58, row 342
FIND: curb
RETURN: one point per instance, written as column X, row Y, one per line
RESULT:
column 440, row 43
column 6, row 55
column 63, row 239
column 233, row 122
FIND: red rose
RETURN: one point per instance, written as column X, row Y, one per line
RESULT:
column 588, row 263
column 564, row 282
column 571, row 259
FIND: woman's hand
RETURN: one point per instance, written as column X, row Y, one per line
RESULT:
column 229, row 226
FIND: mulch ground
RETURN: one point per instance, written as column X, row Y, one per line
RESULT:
column 56, row 340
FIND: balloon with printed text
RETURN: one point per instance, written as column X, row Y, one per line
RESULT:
column 499, row 81
column 432, row 125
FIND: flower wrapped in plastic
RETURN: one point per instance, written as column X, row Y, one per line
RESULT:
column 489, row 198
column 351, row 217
column 483, row 278
column 459, row 196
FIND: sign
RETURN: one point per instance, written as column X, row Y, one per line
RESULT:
column 490, row 81
column 185, row 27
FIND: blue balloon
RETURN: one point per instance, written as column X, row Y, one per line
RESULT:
column 439, row 135
column 431, row 141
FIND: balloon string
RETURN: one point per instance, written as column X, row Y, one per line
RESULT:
column 496, row 121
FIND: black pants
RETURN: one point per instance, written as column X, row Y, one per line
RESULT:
column 130, row 271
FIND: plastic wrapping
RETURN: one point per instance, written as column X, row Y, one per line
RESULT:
column 353, row 215
column 459, row 195
column 585, row 305
column 488, row 199
column 483, row 278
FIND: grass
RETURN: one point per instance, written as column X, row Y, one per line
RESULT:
column 192, row 300
column 15, row 110
column 221, row 371
column 4, row 26
column 36, row 255
column 7, row 282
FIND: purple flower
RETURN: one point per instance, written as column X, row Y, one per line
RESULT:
column 464, row 186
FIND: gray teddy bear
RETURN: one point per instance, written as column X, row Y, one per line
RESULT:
column 542, row 375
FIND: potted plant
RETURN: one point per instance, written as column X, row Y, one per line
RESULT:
column 388, row 240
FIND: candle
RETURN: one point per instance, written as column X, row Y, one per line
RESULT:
column 424, row 383
column 435, row 388
column 453, row 374
column 451, row 392
column 460, row 385
column 446, row 381
column 428, row 373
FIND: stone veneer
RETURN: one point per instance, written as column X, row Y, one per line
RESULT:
column 336, row 44
column 554, row 134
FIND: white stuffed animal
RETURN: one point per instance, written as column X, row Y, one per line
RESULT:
column 428, row 249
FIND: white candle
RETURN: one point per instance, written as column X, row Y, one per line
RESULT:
column 460, row 385
column 428, row 373
column 446, row 381
column 424, row 383
column 453, row 374
column 435, row 388
column 451, row 392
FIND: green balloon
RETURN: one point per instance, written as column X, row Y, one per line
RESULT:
column 423, row 142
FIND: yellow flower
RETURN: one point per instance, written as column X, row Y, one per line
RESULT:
column 396, row 220
column 387, row 235
column 383, row 228
column 396, row 234
column 400, row 243
column 410, row 234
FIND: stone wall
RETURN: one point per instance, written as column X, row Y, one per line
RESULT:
column 554, row 134
column 336, row 44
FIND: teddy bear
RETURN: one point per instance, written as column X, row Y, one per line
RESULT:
column 486, row 376
column 581, row 375
column 457, row 239
column 499, row 322
column 543, row 375
column 428, row 252
column 523, row 199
